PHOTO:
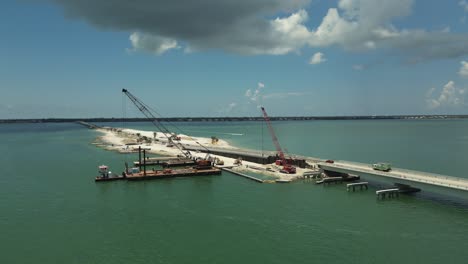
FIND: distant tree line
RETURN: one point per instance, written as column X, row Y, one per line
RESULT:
column 230, row 119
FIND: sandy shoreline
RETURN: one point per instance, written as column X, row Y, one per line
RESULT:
column 117, row 139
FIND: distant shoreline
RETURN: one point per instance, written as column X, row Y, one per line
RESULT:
column 231, row 119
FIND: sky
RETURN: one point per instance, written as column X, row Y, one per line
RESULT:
column 71, row 58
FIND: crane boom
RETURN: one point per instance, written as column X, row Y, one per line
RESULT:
column 146, row 112
column 287, row 168
column 273, row 135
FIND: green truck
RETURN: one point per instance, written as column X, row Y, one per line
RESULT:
column 382, row 166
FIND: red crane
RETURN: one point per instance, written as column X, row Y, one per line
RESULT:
column 287, row 168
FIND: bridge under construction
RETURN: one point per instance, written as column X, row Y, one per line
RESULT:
column 397, row 175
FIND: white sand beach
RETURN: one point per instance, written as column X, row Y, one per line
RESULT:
column 128, row 140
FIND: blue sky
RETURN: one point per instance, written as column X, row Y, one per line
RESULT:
column 69, row 58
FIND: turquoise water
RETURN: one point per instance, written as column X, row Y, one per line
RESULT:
column 53, row 212
column 439, row 146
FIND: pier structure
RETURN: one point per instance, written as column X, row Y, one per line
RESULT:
column 329, row 180
column 353, row 186
column 408, row 177
column 396, row 190
column 88, row 125
column 243, row 175
column 390, row 192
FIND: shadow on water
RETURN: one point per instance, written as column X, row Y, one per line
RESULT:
column 444, row 199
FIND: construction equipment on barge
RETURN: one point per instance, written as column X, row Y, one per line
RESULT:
column 144, row 109
column 136, row 174
column 202, row 166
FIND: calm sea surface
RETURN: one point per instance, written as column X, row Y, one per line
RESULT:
column 51, row 210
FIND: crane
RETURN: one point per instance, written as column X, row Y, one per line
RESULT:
column 287, row 168
column 146, row 112
column 144, row 109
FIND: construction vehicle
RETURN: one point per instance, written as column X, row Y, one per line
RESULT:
column 382, row 166
column 238, row 161
column 218, row 161
column 287, row 167
column 144, row 109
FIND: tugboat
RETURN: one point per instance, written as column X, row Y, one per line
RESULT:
column 106, row 175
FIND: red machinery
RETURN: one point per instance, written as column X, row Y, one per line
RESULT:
column 287, row 168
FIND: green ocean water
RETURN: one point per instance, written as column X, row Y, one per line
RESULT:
column 53, row 212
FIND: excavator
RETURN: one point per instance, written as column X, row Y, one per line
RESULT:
column 282, row 161
column 201, row 164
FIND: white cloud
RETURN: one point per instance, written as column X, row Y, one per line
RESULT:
column 245, row 27
column 464, row 5
column 317, row 58
column 450, row 96
column 155, row 44
column 362, row 25
column 430, row 92
column 231, row 106
column 254, row 95
column 463, row 69
column 358, row 67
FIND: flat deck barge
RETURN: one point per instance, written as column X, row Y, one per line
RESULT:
column 161, row 174
column 168, row 173
column 154, row 161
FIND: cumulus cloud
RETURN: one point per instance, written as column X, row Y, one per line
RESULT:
column 317, row 58
column 362, row 25
column 254, row 95
column 254, row 27
column 450, row 96
column 463, row 69
column 155, row 44
column 234, row 26
column 358, row 67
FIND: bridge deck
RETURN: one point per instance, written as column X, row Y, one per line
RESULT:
column 395, row 173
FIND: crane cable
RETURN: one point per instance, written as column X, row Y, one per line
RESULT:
column 156, row 122
column 177, row 128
